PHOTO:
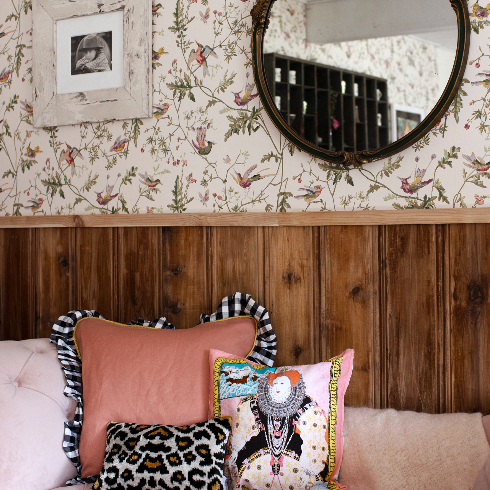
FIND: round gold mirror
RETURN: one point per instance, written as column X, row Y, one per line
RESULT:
column 354, row 81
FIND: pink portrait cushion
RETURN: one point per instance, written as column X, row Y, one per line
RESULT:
column 286, row 421
column 143, row 375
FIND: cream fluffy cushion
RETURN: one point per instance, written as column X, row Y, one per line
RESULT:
column 33, row 410
column 386, row 450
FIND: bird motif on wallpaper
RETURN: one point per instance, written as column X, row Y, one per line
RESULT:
column 104, row 200
column 247, row 178
column 31, row 153
column 155, row 7
column 160, row 110
column 148, row 180
column 35, row 204
column 200, row 56
column 486, row 82
column 119, row 144
column 202, row 145
column 69, row 156
column 4, row 33
column 204, row 199
column 26, row 106
column 416, row 184
column 480, row 12
column 5, row 74
column 205, row 16
column 476, row 163
column 310, row 193
column 247, row 96
column 158, row 54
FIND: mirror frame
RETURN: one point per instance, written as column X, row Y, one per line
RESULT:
column 260, row 21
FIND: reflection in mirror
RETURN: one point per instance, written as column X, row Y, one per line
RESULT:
column 347, row 76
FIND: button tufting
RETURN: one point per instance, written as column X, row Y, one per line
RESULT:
column 15, row 384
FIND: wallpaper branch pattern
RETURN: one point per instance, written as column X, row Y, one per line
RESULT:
column 210, row 145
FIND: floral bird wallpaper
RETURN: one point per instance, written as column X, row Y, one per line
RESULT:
column 210, row 146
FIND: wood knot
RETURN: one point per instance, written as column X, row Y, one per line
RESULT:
column 297, row 350
column 175, row 310
column 355, row 291
column 177, row 271
column 78, row 222
column 290, row 277
column 63, row 262
column 475, row 294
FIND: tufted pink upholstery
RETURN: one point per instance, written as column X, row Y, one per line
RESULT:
column 33, row 410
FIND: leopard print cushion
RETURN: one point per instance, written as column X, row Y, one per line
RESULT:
column 164, row 457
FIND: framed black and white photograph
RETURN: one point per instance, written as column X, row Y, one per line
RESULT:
column 404, row 119
column 95, row 59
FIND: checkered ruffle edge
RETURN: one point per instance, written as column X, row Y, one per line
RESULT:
column 62, row 336
column 239, row 304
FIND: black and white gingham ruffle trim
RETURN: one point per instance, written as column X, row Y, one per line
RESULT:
column 239, row 304
column 62, row 336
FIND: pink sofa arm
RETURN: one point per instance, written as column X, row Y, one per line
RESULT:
column 33, row 410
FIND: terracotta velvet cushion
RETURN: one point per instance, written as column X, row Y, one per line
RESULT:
column 143, row 375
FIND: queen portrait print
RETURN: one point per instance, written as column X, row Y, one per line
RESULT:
column 91, row 53
column 276, row 436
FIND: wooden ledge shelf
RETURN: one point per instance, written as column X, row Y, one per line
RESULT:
column 327, row 218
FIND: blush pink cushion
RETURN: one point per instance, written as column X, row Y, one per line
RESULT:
column 33, row 410
column 144, row 375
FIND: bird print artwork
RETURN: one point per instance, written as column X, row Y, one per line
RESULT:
column 34, row 204
column 119, row 144
column 155, row 7
column 310, row 193
column 205, row 16
column 247, row 96
column 202, row 145
column 200, row 56
column 104, row 200
column 204, row 199
column 247, row 178
column 160, row 110
column 485, row 82
column 148, row 180
column 24, row 105
column 5, row 74
column 31, row 153
column 416, row 183
column 69, row 156
column 476, row 163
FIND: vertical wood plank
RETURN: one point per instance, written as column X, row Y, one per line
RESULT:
column 139, row 273
column 235, row 262
column 55, row 276
column 186, row 276
column 95, row 271
column 292, row 293
column 17, row 292
column 413, row 322
column 470, row 316
column 351, row 305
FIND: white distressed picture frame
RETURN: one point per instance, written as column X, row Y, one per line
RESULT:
column 133, row 100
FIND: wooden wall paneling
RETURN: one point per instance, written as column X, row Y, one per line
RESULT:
column 470, row 317
column 95, row 271
column 350, row 305
column 55, row 276
column 139, row 274
column 17, row 289
column 412, row 323
column 292, row 290
column 235, row 263
column 186, row 274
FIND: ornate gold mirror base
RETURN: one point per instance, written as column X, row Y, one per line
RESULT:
column 260, row 22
